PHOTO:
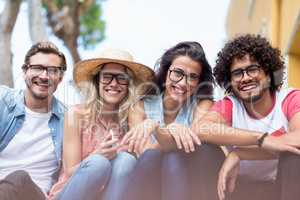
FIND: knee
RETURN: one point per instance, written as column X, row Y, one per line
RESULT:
column 152, row 153
column 123, row 164
column 173, row 161
column 210, row 149
column 210, row 152
column 124, row 157
column 96, row 163
column 150, row 156
column 18, row 179
column 208, row 156
column 19, row 176
column 149, row 160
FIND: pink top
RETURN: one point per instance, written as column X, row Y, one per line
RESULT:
column 91, row 135
column 290, row 106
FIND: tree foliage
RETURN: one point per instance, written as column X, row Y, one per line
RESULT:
column 7, row 22
column 91, row 30
column 76, row 22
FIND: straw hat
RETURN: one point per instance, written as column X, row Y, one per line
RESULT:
column 86, row 69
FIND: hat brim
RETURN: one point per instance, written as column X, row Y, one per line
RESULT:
column 85, row 70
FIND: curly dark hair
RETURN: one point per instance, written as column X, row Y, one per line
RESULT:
column 259, row 49
column 195, row 51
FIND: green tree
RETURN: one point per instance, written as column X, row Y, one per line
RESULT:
column 76, row 22
column 7, row 22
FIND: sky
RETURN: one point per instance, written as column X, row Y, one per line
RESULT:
column 145, row 28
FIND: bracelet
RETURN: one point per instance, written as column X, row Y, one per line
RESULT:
column 261, row 139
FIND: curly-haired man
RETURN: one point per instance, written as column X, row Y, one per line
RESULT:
column 251, row 71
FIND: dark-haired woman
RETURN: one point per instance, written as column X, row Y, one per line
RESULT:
column 173, row 164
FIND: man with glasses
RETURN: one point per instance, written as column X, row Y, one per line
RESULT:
column 257, row 111
column 31, row 127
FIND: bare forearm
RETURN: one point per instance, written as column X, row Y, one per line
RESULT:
column 223, row 134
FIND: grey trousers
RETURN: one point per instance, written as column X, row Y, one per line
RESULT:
column 19, row 186
column 286, row 186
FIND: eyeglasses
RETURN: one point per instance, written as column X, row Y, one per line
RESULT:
column 177, row 75
column 39, row 69
column 107, row 78
column 251, row 70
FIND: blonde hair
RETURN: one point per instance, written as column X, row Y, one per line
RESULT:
column 94, row 104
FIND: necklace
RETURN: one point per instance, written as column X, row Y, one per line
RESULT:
column 111, row 128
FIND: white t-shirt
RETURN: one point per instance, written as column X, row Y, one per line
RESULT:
column 32, row 150
column 286, row 105
column 276, row 120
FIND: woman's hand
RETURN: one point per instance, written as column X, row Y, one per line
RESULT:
column 228, row 175
column 184, row 137
column 138, row 136
column 108, row 147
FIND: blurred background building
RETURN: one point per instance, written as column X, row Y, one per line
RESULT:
column 278, row 20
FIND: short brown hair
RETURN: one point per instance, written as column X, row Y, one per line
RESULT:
column 45, row 47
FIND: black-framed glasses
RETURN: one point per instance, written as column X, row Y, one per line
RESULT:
column 39, row 69
column 177, row 75
column 106, row 78
column 251, row 70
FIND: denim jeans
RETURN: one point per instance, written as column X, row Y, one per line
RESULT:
column 97, row 176
column 122, row 167
column 177, row 175
column 88, row 180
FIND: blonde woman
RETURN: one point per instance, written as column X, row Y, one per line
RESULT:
column 95, row 165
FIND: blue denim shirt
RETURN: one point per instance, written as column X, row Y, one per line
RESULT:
column 12, row 116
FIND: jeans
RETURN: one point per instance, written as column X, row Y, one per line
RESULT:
column 177, row 175
column 18, row 185
column 88, row 180
column 122, row 166
column 97, row 176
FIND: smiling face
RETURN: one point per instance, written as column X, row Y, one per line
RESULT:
column 41, row 86
column 182, row 78
column 249, row 86
column 113, row 84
